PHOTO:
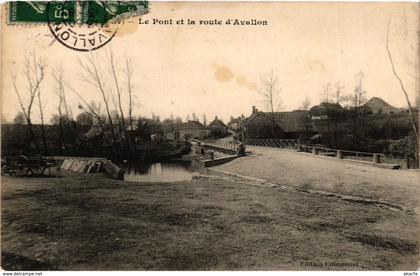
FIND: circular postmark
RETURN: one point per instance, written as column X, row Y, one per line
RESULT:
column 67, row 28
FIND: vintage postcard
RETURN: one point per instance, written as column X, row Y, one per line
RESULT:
column 141, row 135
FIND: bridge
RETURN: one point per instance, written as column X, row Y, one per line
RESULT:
column 307, row 171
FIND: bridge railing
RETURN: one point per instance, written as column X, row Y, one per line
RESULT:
column 275, row 143
column 225, row 147
column 294, row 144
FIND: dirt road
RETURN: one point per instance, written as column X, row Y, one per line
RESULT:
column 78, row 222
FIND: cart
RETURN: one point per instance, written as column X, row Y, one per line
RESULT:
column 22, row 165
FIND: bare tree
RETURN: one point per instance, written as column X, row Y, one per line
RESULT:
column 357, row 113
column 41, row 112
column 325, row 95
column 270, row 91
column 306, row 119
column 359, row 95
column 204, row 119
column 129, row 69
column 339, row 88
column 34, row 71
column 58, row 75
column 93, row 77
column 113, row 69
column 94, row 111
column 194, row 117
column 306, row 104
column 403, row 89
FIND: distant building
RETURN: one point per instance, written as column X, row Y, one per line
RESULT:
column 324, row 110
column 187, row 130
column 285, row 125
column 378, row 106
column 217, row 127
column 236, row 124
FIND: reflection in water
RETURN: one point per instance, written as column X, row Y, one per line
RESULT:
column 159, row 172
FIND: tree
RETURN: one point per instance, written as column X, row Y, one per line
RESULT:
column 129, row 69
column 34, row 72
column 403, row 89
column 358, row 113
column 194, row 117
column 359, row 96
column 84, row 119
column 339, row 93
column 325, row 95
column 178, row 120
column 19, row 119
column 95, row 111
column 204, row 119
column 94, row 77
column 113, row 69
column 270, row 91
column 306, row 103
column 58, row 75
column 306, row 119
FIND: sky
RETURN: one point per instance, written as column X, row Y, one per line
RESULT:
column 216, row 70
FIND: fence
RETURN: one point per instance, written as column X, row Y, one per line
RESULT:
column 275, row 143
column 347, row 154
column 294, row 144
column 228, row 148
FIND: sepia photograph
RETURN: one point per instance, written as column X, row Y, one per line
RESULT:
column 209, row 136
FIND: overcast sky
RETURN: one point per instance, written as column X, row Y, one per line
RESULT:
column 215, row 70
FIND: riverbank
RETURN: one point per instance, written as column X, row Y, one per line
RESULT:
column 88, row 222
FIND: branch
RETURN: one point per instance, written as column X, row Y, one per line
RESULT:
column 401, row 84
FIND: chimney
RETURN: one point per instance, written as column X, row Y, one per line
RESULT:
column 215, row 117
column 254, row 109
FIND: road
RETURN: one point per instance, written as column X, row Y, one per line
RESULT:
column 306, row 171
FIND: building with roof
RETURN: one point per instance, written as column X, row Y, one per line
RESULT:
column 378, row 106
column 287, row 125
column 236, row 124
column 186, row 130
column 217, row 128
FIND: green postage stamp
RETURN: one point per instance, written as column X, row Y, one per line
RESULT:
column 80, row 12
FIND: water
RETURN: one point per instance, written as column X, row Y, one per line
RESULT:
column 159, row 172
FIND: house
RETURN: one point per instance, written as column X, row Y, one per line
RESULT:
column 187, row 130
column 378, row 106
column 236, row 124
column 286, row 125
column 325, row 110
column 217, row 128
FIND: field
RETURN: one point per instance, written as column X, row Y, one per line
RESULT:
column 214, row 222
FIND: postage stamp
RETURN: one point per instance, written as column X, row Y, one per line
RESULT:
column 78, row 25
column 81, row 12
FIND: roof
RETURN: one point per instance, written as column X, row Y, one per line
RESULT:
column 133, row 127
column 379, row 105
column 291, row 121
column 326, row 105
column 94, row 131
column 190, row 125
column 217, row 123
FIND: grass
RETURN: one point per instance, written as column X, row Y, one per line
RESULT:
column 79, row 222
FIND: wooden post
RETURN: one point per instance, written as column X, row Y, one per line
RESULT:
column 339, row 154
column 314, row 151
column 376, row 158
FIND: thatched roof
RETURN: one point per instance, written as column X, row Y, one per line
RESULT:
column 192, row 125
column 377, row 105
